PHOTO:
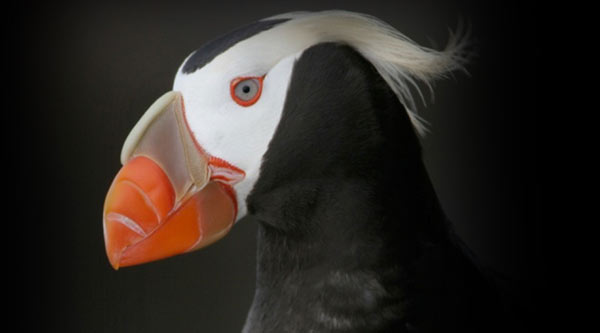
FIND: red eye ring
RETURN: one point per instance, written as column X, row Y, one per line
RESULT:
column 237, row 81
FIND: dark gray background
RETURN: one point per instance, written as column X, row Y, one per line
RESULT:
column 86, row 73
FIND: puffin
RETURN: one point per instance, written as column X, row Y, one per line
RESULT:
column 306, row 124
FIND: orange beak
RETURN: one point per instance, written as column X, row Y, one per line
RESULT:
column 164, row 202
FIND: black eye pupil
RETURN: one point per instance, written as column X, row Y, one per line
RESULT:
column 246, row 89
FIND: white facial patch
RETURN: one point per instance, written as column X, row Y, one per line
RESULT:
column 239, row 135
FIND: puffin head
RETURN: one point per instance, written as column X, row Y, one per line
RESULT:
column 194, row 158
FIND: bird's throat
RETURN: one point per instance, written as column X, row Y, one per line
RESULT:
column 332, row 255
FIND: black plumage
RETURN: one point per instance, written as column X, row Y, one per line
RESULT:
column 207, row 52
column 351, row 236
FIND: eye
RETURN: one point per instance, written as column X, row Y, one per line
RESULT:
column 246, row 90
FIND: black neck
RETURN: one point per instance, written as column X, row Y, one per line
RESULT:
column 348, row 259
column 350, row 223
column 362, row 260
column 351, row 234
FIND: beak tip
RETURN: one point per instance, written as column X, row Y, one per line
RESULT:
column 114, row 260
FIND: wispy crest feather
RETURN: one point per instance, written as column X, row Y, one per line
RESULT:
column 399, row 60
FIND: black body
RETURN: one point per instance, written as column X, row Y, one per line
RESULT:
column 351, row 235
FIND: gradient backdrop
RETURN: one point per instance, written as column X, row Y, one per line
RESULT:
column 90, row 71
